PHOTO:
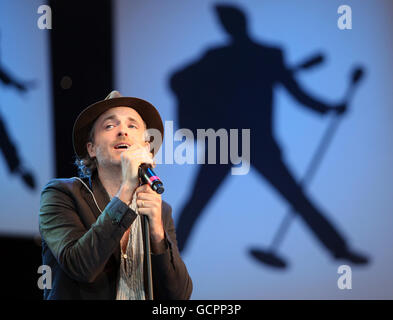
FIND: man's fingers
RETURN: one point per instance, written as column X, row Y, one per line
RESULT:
column 146, row 204
column 153, row 196
column 143, row 188
column 133, row 157
column 144, row 211
column 147, row 193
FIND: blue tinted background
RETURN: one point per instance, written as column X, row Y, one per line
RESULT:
column 353, row 184
column 24, row 56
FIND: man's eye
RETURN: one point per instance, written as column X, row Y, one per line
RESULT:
column 131, row 126
column 108, row 126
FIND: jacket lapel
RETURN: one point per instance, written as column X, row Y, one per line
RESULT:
column 102, row 198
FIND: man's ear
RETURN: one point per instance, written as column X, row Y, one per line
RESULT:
column 91, row 150
column 147, row 145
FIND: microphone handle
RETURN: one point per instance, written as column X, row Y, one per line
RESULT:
column 147, row 175
column 148, row 258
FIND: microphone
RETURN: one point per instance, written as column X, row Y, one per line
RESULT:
column 148, row 176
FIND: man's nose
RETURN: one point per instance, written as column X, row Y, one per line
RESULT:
column 122, row 131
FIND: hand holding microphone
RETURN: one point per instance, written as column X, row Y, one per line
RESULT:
column 137, row 166
column 138, row 176
column 131, row 159
column 137, row 163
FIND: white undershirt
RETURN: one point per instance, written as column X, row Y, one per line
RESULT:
column 130, row 285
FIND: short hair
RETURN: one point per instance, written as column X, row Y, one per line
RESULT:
column 87, row 165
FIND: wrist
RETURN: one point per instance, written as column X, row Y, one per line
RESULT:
column 158, row 246
column 126, row 192
column 157, row 237
column 157, row 233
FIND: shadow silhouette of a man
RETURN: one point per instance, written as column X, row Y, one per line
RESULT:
column 7, row 147
column 232, row 87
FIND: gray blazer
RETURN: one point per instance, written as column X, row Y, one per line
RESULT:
column 82, row 245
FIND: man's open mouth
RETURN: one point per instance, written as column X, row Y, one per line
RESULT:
column 122, row 146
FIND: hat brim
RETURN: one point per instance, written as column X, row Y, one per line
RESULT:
column 86, row 119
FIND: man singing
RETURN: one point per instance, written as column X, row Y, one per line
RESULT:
column 91, row 227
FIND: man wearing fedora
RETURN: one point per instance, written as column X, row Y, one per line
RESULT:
column 91, row 229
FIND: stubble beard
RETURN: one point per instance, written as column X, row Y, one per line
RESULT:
column 109, row 163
